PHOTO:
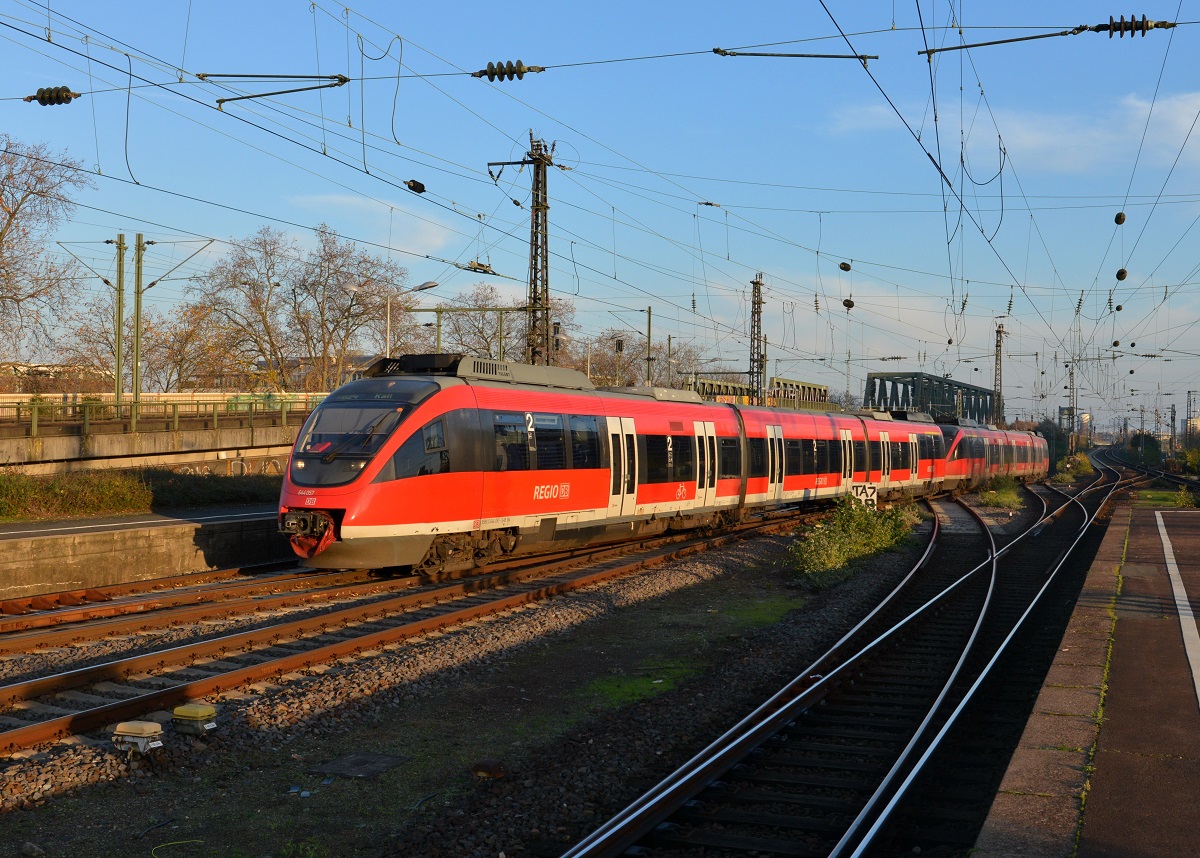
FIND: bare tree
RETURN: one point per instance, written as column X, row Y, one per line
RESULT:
column 192, row 349
column 468, row 330
column 90, row 340
column 300, row 316
column 35, row 188
column 617, row 358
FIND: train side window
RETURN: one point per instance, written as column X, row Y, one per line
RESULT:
column 423, row 454
column 808, row 452
column 758, row 456
column 876, row 448
column 793, row 459
column 822, row 456
column 860, row 457
column 657, row 458
column 585, row 442
column 548, row 441
column 512, row 444
column 729, row 459
column 684, row 451
column 835, row 456
column 617, row 475
column 631, row 460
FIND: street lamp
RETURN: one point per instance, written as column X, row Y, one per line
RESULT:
column 428, row 284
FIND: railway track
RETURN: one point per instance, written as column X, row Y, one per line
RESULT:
column 48, row 707
column 879, row 745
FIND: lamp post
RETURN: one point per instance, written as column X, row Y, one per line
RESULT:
column 428, row 284
column 353, row 290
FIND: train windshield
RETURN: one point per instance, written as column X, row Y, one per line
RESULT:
column 346, row 431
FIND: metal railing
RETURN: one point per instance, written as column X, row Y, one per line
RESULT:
column 88, row 413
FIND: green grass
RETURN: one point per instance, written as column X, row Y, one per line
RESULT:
column 652, row 679
column 824, row 553
column 758, row 615
column 1002, row 492
column 90, row 493
column 1153, row 497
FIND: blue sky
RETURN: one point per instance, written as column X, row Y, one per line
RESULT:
column 810, row 163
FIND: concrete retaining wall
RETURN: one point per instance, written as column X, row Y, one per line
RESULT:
column 52, row 448
column 44, row 564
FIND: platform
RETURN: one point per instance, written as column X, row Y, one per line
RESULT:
column 46, row 556
column 1109, row 763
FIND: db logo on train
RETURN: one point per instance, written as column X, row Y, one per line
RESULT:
column 552, row 491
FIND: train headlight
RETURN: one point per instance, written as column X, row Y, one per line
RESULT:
column 298, row 464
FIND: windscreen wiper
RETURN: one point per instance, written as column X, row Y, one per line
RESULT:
column 368, row 432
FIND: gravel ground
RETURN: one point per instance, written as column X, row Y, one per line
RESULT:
column 512, row 736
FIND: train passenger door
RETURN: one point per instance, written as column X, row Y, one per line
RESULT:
column 774, row 462
column 847, row 461
column 914, row 460
column 706, row 462
column 622, row 440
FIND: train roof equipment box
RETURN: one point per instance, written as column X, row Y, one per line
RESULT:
column 194, row 719
column 140, row 736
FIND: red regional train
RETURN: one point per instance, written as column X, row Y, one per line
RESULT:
column 443, row 462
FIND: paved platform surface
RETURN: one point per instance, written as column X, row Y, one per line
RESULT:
column 1109, row 764
column 167, row 518
column 44, row 557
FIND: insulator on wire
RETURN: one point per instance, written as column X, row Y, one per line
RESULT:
column 848, row 303
column 1116, row 343
column 1134, row 25
column 1122, row 273
column 53, row 95
column 507, row 71
column 415, row 186
column 845, row 266
column 1120, row 218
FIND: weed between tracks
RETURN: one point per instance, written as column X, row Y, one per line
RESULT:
column 1002, row 492
column 91, row 493
column 824, row 553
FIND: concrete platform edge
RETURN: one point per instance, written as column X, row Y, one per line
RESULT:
column 1041, row 800
column 44, row 564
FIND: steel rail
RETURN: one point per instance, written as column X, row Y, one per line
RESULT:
column 641, row 816
column 164, row 611
column 885, row 813
column 881, row 791
column 152, row 610
column 107, row 593
column 90, row 719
